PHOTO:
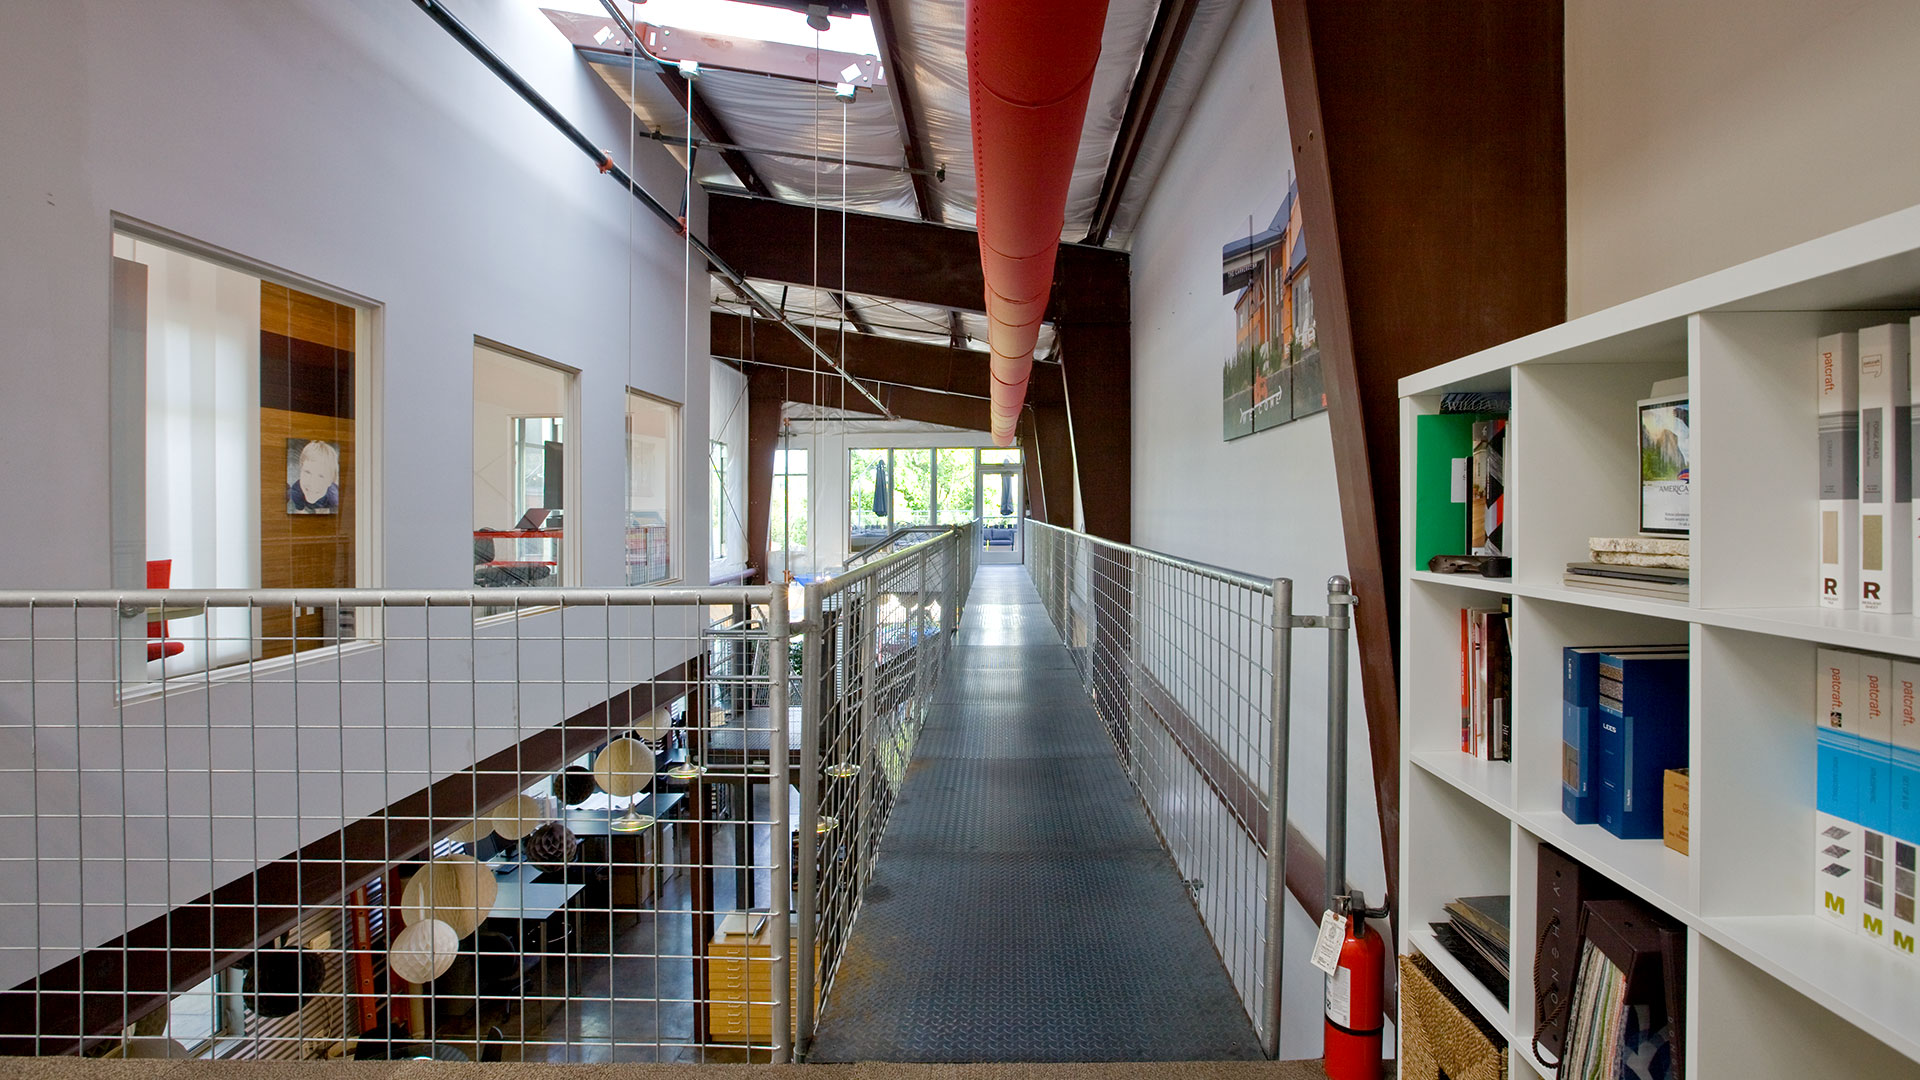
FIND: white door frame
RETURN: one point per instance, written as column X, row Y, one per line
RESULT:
column 1017, row 552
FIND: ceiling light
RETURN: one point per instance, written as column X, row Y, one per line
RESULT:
column 817, row 17
column 843, row 91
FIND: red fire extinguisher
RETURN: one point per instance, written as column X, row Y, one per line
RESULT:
column 1354, row 993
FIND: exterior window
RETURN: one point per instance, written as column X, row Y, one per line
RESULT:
column 653, row 496
column 522, row 471
column 1303, row 330
column 240, row 453
column 717, row 500
column 912, row 488
column 953, row 492
column 787, row 521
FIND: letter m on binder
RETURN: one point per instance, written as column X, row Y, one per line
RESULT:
column 1903, row 942
column 1836, row 904
column 1870, row 923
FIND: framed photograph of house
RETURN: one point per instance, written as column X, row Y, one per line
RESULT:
column 313, row 477
column 1665, row 467
column 1273, row 375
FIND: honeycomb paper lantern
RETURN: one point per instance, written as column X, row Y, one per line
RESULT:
column 624, row 768
column 468, row 833
column 454, row 889
column 517, row 817
column 424, row 951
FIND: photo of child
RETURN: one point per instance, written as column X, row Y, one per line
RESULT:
column 313, row 477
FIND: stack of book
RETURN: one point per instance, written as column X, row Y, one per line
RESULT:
column 1867, row 798
column 1623, row 724
column 1865, row 395
column 1486, row 682
column 1658, row 567
column 1476, row 934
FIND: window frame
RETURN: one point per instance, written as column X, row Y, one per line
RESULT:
column 675, row 499
column 570, row 544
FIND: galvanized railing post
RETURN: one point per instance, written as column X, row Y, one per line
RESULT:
column 1279, row 705
column 1339, row 621
column 779, row 894
column 813, row 690
column 867, row 652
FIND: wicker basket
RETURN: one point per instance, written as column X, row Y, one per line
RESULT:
column 1439, row 1033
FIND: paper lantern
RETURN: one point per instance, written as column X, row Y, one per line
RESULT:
column 655, row 726
column 454, row 889
column 624, row 768
column 550, row 847
column 573, row 785
column 517, row 817
column 424, row 951
column 468, row 833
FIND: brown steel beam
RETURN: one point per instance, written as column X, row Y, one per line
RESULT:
column 898, row 259
column 871, row 357
column 1433, row 190
column 1030, row 467
column 765, row 393
column 903, row 95
column 1097, row 360
column 701, row 115
column 1156, row 65
column 1053, row 447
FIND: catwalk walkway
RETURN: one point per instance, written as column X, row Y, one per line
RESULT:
column 1022, row 908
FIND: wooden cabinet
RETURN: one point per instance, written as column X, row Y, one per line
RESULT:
column 740, row 979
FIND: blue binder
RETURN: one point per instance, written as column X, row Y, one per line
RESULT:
column 1579, row 721
column 1642, row 733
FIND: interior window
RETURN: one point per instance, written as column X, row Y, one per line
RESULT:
column 521, row 462
column 653, row 470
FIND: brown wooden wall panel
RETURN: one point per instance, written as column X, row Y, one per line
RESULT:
column 305, row 317
column 306, row 392
column 1430, row 146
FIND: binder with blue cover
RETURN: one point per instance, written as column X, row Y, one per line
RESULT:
column 1579, row 719
column 1642, row 733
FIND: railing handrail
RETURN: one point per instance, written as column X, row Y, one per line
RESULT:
column 1222, row 573
column 613, row 596
column 841, row 581
column 878, row 545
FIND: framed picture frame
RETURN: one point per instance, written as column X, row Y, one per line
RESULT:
column 1665, row 442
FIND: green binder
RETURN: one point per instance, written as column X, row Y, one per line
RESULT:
column 1443, row 444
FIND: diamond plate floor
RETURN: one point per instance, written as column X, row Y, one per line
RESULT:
column 1022, row 908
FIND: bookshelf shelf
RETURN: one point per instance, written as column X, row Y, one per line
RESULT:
column 1774, row 992
column 1498, row 586
column 1489, row 783
column 1657, row 873
column 1482, row 999
column 1845, row 973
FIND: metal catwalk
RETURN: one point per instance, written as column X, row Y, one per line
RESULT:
column 1022, row 908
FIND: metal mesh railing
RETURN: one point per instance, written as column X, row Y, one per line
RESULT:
column 1188, row 666
column 875, row 643
column 553, row 833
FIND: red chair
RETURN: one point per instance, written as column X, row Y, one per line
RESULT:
column 159, row 575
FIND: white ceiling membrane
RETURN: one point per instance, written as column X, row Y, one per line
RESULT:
column 640, row 87
column 805, row 118
column 1208, row 31
column 817, row 307
column 932, row 49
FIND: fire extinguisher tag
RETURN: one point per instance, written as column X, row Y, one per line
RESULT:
column 1340, row 998
column 1326, row 950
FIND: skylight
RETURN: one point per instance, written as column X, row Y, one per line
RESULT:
column 738, row 19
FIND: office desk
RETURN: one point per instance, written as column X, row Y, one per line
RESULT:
column 649, row 848
column 522, row 898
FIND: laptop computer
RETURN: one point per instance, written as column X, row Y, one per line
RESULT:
column 531, row 520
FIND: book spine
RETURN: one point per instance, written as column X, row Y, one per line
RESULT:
column 1466, row 682
column 1643, row 733
column 1579, row 676
column 1886, row 470
column 1903, row 824
column 1837, row 840
column 1477, row 504
column 1839, row 540
column 1872, row 776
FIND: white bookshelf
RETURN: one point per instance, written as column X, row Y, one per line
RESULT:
column 1772, row 992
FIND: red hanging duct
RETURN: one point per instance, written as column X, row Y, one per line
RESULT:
column 1029, row 70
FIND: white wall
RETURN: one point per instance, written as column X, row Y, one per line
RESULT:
column 353, row 143
column 728, row 406
column 1267, row 503
column 1705, row 133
